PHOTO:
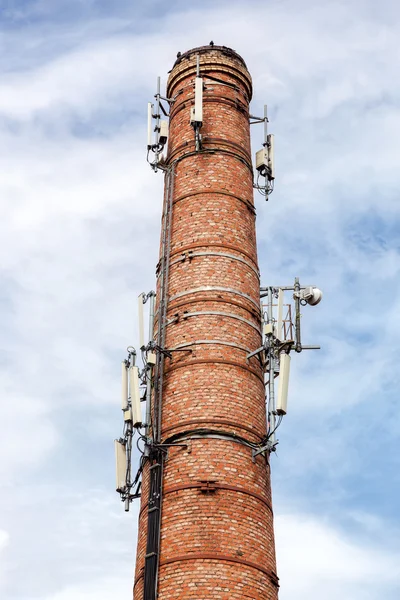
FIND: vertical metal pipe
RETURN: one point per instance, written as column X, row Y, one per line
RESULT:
column 297, row 315
column 280, row 316
column 197, row 127
column 149, row 119
column 141, row 300
column 265, row 125
column 157, row 120
column 150, row 370
column 162, row 316
column 271, row 380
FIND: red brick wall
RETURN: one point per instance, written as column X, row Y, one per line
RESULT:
column 217, row 544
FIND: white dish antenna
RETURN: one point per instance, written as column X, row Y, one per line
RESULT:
column 311, row 296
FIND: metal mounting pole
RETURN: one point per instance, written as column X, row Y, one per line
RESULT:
column 265, row 125
column 296, row 296
column 157, row 115
column 271, row 363
column 151, row 296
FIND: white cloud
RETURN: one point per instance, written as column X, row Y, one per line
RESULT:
column 317, row 560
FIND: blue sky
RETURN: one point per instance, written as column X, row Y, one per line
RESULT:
column 79, row 231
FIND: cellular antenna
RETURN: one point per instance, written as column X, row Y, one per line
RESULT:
column 196, row 111
column 159, row 127
column 265, row 161
column 136, row 388
column 282, row 334
column 134, row 413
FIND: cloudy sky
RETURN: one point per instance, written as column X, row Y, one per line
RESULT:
column 79, row 229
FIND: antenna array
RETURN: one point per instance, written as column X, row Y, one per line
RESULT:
column 265, row 162
column 281, row 333
column 136, row 388
column 157, row 132
column 280, row 336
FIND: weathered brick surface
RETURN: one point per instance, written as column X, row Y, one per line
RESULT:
column 218, row 543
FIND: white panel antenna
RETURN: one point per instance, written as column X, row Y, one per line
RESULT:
column 124, row 395
column 134, row 391
column 120, row 465
column 265, row 163
column 197, row 110
column 141, row 323
column 283, row 387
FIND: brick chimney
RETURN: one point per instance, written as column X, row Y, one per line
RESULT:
column 206, row 520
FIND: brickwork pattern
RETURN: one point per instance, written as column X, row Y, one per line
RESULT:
column 217, row 539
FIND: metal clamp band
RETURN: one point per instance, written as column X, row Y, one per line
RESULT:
column 220, row 486
column 216, row 342
column 217, row 144
column 274, row 579
column 201, row 299
column 211, row 151
column 189, row 256
column 247, row 203
column 210, row 244
column 223, row 422
column 219, row 314
column 215, row 361
column 214, row 288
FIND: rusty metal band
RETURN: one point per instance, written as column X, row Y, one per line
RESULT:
column 214, row 342
column 188, row 257
column 217, row 486
column 211, row 151
column 207, row 68
column 222, row 557
column 216, row 313
column 211, row 143
column 215, row 288
column 220, row 486
column 213, row 244
column 247, row 203
column 252, row 311
column 223, row 422
column 177, row 317
column 215, row 361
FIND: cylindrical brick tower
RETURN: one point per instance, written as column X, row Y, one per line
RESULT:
column 206, row 522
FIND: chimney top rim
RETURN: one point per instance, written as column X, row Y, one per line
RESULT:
column 210, row 48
